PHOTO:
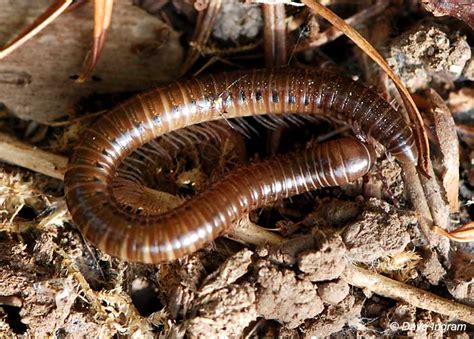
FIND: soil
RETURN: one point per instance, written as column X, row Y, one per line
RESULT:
column 293, row 282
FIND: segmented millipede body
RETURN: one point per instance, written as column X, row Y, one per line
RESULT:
column 157, row 238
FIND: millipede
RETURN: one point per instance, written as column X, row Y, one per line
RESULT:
column 164, row 237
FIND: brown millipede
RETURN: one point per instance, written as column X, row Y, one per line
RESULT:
column 157, row 238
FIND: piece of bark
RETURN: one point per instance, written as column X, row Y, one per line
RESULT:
column 449, row 145
column 37, row 81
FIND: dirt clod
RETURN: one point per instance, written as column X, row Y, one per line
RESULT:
column 427, row 52
column 287, row 253
column 289, row 306
column 226, row 311
column 391, row 187
column 333, row 292
column 233, row 268
column 334, row 318
column 379, row 231
column 327, row 262
column 337, row 212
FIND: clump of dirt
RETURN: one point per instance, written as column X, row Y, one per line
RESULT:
column 228, row 310
column 391, row 187
column 380, row 230
column 248, row 285
column 335, row 317
column 333, row 292
column 429, row 52
column 46, row 299
column 326, row 262
column 316, row 291
column 333, row 212
column 287, row 253
column 290, row 306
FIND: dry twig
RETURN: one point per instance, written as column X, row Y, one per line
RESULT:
column 275, row 52
column 274, row 35
column 202, row 32
column 393, row 289
column 32, row 158
column 246, row 232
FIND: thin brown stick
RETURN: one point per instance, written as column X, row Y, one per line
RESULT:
column 24, row 155
column 275, row 52
column 418, row 199
column 274, row 35
column 246, row 232
column 202, row 32
column 434, row 196
column 393, row 289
